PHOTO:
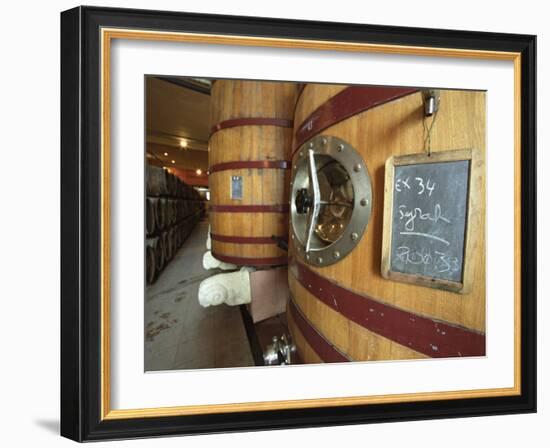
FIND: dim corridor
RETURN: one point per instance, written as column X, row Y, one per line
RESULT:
column 179, row 333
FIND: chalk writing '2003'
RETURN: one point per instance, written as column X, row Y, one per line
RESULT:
column 440, row 260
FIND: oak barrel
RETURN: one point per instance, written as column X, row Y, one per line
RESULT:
column 151, row 260
column 150, row 216
column 249, row 150
column 159, row 181
column 347, row 311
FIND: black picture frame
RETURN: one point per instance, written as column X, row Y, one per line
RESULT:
column 81, row 224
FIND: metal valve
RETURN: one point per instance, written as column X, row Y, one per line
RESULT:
column 280, row 352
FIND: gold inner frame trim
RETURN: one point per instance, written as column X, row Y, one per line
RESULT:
column 107, row 35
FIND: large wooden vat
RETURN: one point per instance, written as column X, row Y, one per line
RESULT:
column 347, row 311
column 249, row 151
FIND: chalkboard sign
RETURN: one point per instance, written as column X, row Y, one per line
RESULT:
column 426, row 222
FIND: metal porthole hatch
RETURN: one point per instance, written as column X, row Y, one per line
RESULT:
column 330, row 200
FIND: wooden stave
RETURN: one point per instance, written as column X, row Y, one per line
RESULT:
column 252, row 225
column 358, row 342
column 313, row 346
column 227, row 100
column 307, row 353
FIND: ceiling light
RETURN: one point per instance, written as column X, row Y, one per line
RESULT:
column 165, row 153
column 199, row 172
column 173, row 161
column 183, row 143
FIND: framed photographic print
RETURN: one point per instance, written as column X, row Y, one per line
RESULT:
column 276, row 224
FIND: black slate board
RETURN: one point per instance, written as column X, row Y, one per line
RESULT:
column 430, row 205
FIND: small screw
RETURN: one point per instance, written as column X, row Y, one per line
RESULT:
column 293, row 237
column 357, row 168
column 324, row 141
column 307, row 256
column 340, row 147
column 364, row 202
column 311, row 144
column 320, row 259
column 336, row 254
column 295, row 167
column 354, row 236
column 301, row 153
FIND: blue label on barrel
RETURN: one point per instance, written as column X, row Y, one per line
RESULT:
column 236, row 187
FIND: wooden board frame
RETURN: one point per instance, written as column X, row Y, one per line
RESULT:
column 473, row 205
column 86, row 36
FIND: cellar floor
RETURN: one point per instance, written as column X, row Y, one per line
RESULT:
column 179, row 333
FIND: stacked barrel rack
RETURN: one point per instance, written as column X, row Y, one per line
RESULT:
column 172, row 209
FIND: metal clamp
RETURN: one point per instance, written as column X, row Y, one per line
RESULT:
column 431, row 100
column 314, row 183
